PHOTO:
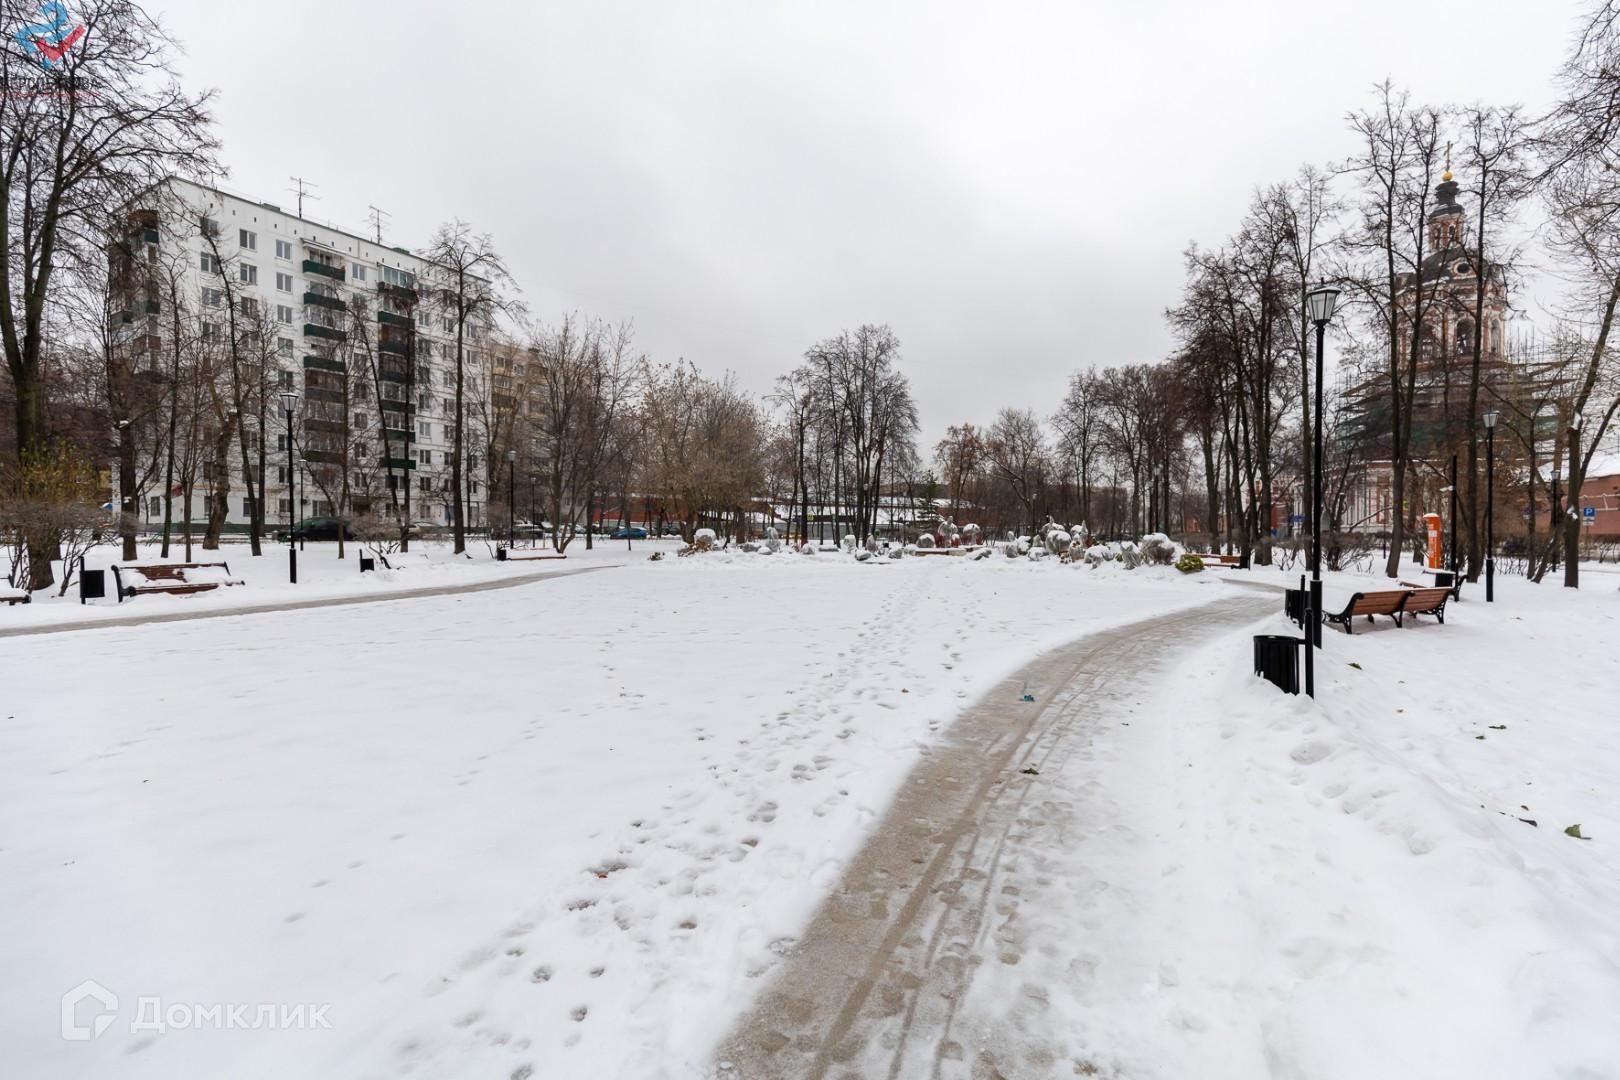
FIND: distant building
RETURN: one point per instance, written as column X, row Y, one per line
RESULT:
column 378, row 392
column 1446, row 335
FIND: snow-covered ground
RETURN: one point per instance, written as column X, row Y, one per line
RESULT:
column 567, row 829
column 563, row 826
column 1378, row 883
column 321, row 576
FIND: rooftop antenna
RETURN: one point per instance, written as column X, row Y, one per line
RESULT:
column 301, row 189
column 376, row 219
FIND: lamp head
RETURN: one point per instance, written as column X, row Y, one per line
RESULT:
column 288, row 399
column 1490, row 419
column 511, row 455
column 1320, row 302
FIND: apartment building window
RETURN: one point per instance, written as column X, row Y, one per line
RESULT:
column 247, row 306
column 395, row 276
column 284, row 505
column 210, row 331
column 284, row 313
column 424, row 402
column 212, row 297
column 281, row 442
column 247, row 239
column 472, row 485
column 284, row 346
column 247, row 508
column 359, row 420
column 248, row 273
column 284, row 249
column 210, row 263
column 282, row 473
column 323, row 508
column 209, row 226
column 284, row 380
column 424, row 483
column 424, row 429
column 154, row 506
column 358, row 273
column 283, row 282
column 424, row 457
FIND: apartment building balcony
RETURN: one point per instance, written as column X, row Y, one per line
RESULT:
column 400, row 292
column 399, row 463
column 321, row 363
column 322, row 457
column 316, row 330
column 330, row 397
column 400, row 434
column 325, row 427
column 388, row 318
column 394, row 372
column 336, row 273
column 399, row 407
column 331, row 303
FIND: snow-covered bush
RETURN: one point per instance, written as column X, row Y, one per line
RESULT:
column 1038, row 553
column 1158, row 549
column 773, row 541
column 971, row 535
column 1057, row 542
column 925, row 541
column 849, row 543
column 1130, row 555
column 703, row 539
column 807, row 548
column 1098, row 554
column 1189, row 563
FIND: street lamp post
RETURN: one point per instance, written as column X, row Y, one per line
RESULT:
column 288, row 399
column 1319, row 305
column 1490, row 504
column 511, row 498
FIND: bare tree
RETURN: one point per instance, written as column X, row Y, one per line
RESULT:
column 468, row 284
column 79, row 135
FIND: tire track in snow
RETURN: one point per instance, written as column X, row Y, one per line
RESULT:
column 873, row 987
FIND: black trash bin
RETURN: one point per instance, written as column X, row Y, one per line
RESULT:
column 367, row 564
column 1276, row 659
column 92, row 584
column 500, row 554
column 1294, row 605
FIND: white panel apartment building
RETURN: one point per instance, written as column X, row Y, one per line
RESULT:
column 298, row 278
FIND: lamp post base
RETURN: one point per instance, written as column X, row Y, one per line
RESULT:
column 1490, row 580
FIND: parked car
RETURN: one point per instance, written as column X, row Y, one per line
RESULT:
column 634, row 532
column 324, row 528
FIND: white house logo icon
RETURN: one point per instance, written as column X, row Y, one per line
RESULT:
column 100, row 1016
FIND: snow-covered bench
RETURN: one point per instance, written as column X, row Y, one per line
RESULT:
column 1217, row 559
column 171, row 578
column 507, row 554
column 11, row 595
column 402, row 560
column 1391, row 602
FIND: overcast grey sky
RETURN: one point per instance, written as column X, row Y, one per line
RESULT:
column 1009, row 185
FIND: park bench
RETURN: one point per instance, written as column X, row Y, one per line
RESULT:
column 527, row 554
column 1428, row 600
column 402, row 560
column 1218, row 559
column 171, row 578
column 1391, row 603
column 11, row 595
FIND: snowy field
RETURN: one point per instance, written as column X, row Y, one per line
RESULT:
column 563, row 826
column 322, row 576
column 567, row 829
column 1376, row 884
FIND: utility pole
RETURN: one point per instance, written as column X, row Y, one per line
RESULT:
column 301, row 188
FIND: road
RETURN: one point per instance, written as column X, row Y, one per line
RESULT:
column 876, row 986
